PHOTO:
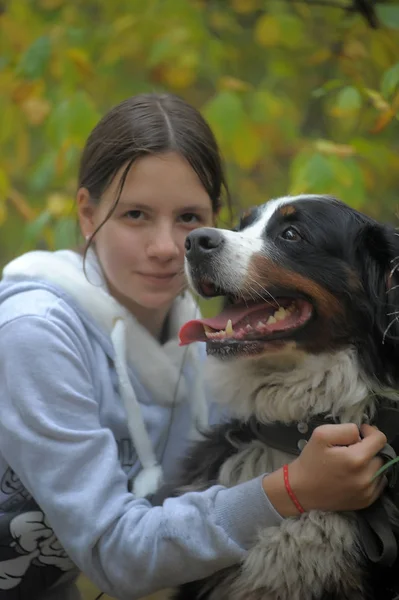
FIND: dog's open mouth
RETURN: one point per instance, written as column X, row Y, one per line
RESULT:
column 248, row 328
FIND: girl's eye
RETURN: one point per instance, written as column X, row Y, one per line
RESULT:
column 135, row 215
column 190, row 218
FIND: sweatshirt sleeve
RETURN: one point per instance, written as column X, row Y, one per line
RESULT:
column 51, row 436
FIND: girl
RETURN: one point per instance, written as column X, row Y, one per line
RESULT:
column 98, row 401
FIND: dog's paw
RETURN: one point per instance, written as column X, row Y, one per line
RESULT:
column 302, row 559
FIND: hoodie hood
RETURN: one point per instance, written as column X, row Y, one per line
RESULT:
column 160, row 367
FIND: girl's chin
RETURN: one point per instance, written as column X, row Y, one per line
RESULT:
column 156, row 301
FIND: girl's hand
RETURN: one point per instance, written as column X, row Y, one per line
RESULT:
column 333, row 473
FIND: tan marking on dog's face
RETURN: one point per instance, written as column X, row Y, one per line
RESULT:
column 287, row 210
column 267, row 273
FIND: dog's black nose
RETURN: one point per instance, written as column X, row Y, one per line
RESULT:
column 203, row 241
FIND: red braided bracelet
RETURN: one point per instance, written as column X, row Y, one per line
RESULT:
column 291, row 494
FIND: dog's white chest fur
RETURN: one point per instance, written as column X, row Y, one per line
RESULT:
column 297, row 560
column 303, row 556
column 293, row 388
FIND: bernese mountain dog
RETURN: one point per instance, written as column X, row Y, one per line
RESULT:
column 309, row 333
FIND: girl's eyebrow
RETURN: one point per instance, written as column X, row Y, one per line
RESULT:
column 126, row 204
column 193, row 208
column 135, row 205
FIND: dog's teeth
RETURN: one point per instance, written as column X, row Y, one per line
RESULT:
column 209, row 332
column 229, row 328
column 271, row 321
column 280, row 314
column 248, row 328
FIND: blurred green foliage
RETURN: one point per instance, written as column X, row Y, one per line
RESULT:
column 302, row 98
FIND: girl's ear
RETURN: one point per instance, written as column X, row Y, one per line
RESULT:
column 86, row 209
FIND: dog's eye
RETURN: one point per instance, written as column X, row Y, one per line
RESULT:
column 291, row 234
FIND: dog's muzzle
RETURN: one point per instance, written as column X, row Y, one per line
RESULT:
column 203, row 244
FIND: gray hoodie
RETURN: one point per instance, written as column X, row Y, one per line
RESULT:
column 95, row 414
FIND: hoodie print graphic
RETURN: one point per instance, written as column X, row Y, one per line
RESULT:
column 28, row 544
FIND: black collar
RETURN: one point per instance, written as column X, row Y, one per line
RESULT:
column 293, row 437
column 378, row 534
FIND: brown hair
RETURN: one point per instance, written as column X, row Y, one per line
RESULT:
column 151, row 124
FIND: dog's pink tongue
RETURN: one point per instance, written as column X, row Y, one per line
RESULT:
column 193, row 331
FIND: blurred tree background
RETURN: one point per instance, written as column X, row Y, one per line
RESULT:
column 302, row 97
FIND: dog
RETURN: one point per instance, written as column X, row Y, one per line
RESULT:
column 309, row 330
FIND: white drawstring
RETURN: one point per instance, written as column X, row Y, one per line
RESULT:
column 150, row 478
column 199, row 406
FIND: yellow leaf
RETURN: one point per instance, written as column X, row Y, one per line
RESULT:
column 267, row 31
column 3, row 213
column 51, row 4
column 21, row 205
column 299, row 187
column 27, row 89
column 246, row 147
column 221, row 21
column 189, row 60
column 379, row 50
column 328, row 147
column 22, row 146
column 245, row 6
column 179, row 77
column 383, row 121
column 56, row 66
column 321, row 55
column 4, row 184
column 59, row 205
column 377, row 100
column 81, row 61
column 354, row 49
column 36, row 110
column 124, row 23
column 179, row 35
column 234, row 84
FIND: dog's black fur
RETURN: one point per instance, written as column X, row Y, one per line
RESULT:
column 343, row 263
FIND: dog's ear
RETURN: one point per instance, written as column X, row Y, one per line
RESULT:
column 378, row 259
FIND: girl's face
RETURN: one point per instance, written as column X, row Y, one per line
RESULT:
column 141, row 246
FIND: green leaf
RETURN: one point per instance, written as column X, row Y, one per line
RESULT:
column 4, row 184
column 65, row 233
column 35, row 228
column 246, row 147
column 35, row 59
column 264, row 107
column 73, row 119
column 388, row 15
column 311, row 173
column 318, row 171
column 43, row 172
column 292, row 30
column 160, row 51
column 83, row 117
column 348, row 99
column 225, row 114
column 329, row 86
column 390, row 81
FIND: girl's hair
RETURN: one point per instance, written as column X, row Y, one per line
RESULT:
column 149, row 124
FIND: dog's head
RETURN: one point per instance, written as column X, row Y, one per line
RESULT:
column 304, row 275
